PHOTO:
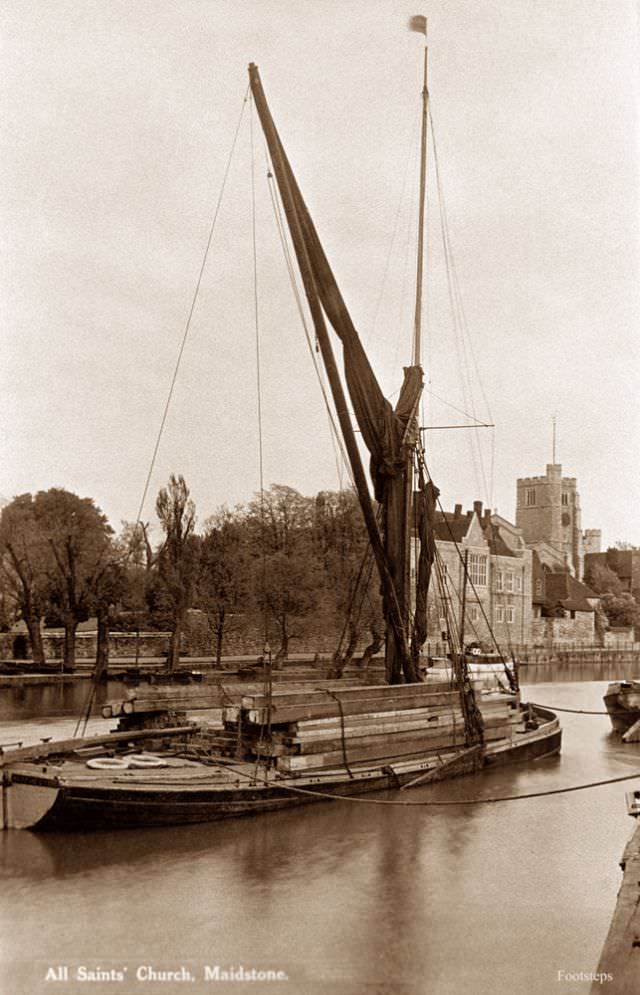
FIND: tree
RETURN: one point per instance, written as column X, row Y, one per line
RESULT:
column 23, row 560
column 223, row 574
column 621, row 609
column 177, row 558
column 350, row 579
column 77, row 540
column 286, row 577
column 138, row 560
column 109, row 586
column 286, row 592
column 602, row 579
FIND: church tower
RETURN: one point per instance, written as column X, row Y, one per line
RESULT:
column 548, row 510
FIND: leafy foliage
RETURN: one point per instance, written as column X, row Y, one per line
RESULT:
column 223, row 583
column 177, row 558
column 602, row 579
column 621, row 609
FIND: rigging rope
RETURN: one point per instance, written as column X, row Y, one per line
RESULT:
column 463, row 338
column 411, row 153
column 461, row 558
column 336, row 438
column 191, row 310
column 573, row 711
column 86, row 711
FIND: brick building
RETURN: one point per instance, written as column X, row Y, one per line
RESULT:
column 564, row 609
column 498, row 594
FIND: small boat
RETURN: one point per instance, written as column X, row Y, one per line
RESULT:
column 269, row 747
column 622, row 701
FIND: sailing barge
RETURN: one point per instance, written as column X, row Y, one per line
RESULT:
column 273, row 751
column 278, row 748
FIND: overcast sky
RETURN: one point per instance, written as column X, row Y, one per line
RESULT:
column 117, row 122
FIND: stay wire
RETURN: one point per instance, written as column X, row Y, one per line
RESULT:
column 335, row 435
column 460, row 324
column 194, row 299
column 467, row 578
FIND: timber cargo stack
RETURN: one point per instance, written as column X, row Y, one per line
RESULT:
column 323, row 729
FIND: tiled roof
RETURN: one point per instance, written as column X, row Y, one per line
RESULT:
column 563, row 589
column 451, row 529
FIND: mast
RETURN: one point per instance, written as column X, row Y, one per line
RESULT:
column 417, row 336
column 417, row 23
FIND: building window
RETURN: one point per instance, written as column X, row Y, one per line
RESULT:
column 509, row 580
column 565, row 498
column 509, row 614
column 474, row 613
column 518, row 583
column 530, row 496
column 499, row 580
column 499, row 613
column 477, row 568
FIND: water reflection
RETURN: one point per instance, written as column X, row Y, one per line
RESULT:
column 348, row 897
column 564, row 673
column 40, row 700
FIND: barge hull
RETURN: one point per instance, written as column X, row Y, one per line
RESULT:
column 93, row 807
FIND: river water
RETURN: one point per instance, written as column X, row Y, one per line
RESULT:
column 341, row 897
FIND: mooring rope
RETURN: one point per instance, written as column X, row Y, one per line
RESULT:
column 439, row 802
column 573, row 711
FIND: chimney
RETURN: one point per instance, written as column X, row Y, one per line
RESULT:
column 477, row 507
column 487, row 515
column 457, row 511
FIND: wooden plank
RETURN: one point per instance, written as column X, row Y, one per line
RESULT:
column 428, row 713
column 495, row 729
column 384, row 739
column 620, row 958
column 42, row 750
column 397, row 692
column 382, row 751
column 373, row 728
column 346, row 694
column 358, row 718
column 329, row 709
column 167, row 697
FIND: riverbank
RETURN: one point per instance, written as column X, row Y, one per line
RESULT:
column 620, row 959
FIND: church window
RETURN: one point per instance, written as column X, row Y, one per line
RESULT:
column 530, row 496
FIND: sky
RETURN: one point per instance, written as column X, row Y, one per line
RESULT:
column 117, row 123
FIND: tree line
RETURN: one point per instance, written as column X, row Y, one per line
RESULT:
column 281, row 565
